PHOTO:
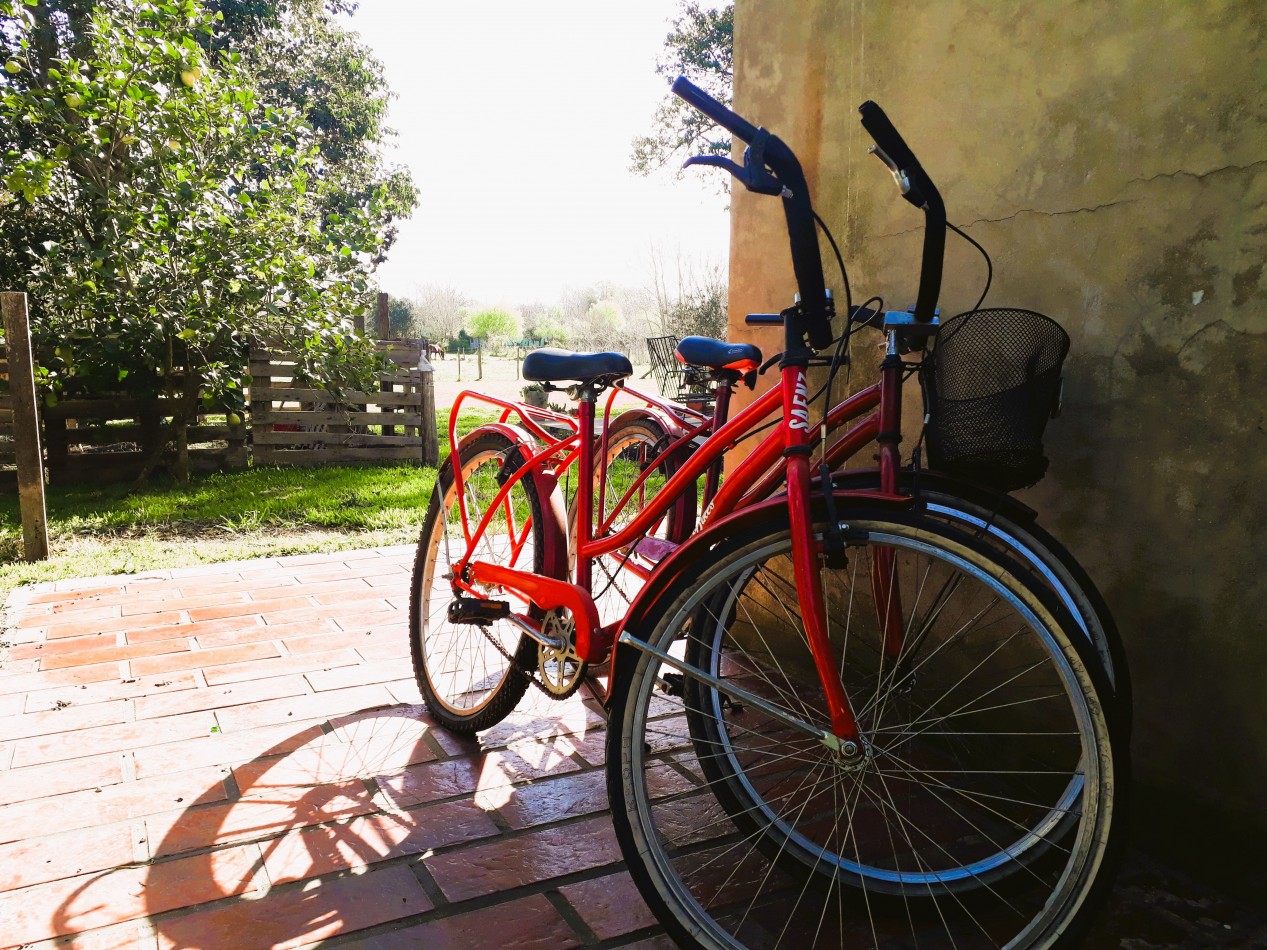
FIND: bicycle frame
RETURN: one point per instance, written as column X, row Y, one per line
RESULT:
column 782, row 456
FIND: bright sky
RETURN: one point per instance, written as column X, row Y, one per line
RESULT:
column 516, row 120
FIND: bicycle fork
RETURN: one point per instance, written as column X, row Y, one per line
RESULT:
column 806, row 563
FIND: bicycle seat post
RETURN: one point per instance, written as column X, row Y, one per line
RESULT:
column 721, row 411
column 587, row 396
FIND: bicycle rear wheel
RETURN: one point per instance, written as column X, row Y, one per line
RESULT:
column 999, row 522
column 470, row 676
column 983, row 815
column 633, row 444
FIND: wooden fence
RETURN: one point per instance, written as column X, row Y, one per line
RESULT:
column 293, row 424
column 8, row 458
column 111, row 440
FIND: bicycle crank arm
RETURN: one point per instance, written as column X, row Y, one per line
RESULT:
column 844, row 748
column 554, row 643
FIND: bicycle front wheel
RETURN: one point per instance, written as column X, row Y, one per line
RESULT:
column 983, row 813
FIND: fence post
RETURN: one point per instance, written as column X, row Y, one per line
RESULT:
column 479, row 361
column 430, row 438
column 383, row 330
column 261, row 406
column 26, row 427
column 382, row 319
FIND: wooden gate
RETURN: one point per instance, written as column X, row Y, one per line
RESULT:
column 292, row 424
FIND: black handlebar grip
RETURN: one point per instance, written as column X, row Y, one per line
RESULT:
column 802, row 237
column 764, row 319
column 920, row 192
column 693, row 95
column 886, row 136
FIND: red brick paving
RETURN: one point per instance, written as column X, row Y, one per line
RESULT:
column 233, row 757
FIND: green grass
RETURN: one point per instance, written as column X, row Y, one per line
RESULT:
column 256, row 512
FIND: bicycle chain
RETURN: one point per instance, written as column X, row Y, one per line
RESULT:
column 530, row 677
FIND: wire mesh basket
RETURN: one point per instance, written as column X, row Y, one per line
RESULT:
column 990, row 385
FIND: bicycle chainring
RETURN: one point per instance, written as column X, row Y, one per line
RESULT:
column 560, row 672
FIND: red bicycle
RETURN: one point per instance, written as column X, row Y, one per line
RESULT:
column 834, row 717
column 645, row 444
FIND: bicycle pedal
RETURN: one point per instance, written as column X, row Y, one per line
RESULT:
column 481, row 613
column 673, row 684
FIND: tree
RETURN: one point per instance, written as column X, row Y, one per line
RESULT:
column 494, row 326
column 700, row 47
column 439, row 312
column 302, row 58
column 604, row 320
column 400, row 316
column 159, row 212
column 549, row 327
column 691, row 297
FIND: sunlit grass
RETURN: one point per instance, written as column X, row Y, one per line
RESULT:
column 257, row 512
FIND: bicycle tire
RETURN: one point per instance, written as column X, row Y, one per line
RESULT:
column 671, row 816
column 985, row 515
column 446, row 656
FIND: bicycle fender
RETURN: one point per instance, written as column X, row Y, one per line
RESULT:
column 660, row 586
column 665, row 420
column 546, row 483
column 1004, row 504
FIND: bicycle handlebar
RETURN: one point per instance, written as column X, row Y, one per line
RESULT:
column 863, row 316
column 919, row 190
column 807, row 264
column 693, row 95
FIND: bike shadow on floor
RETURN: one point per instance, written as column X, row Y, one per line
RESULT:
column 304, row 841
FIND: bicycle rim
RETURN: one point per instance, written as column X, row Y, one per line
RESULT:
column 631, row 448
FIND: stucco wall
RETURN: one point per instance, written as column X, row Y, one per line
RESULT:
column 1112, row 157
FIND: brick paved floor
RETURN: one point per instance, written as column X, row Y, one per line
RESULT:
column 233, row 756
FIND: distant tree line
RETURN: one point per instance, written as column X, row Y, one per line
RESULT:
column 680, row 298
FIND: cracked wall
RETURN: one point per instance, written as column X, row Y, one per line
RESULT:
column 1113, row 160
